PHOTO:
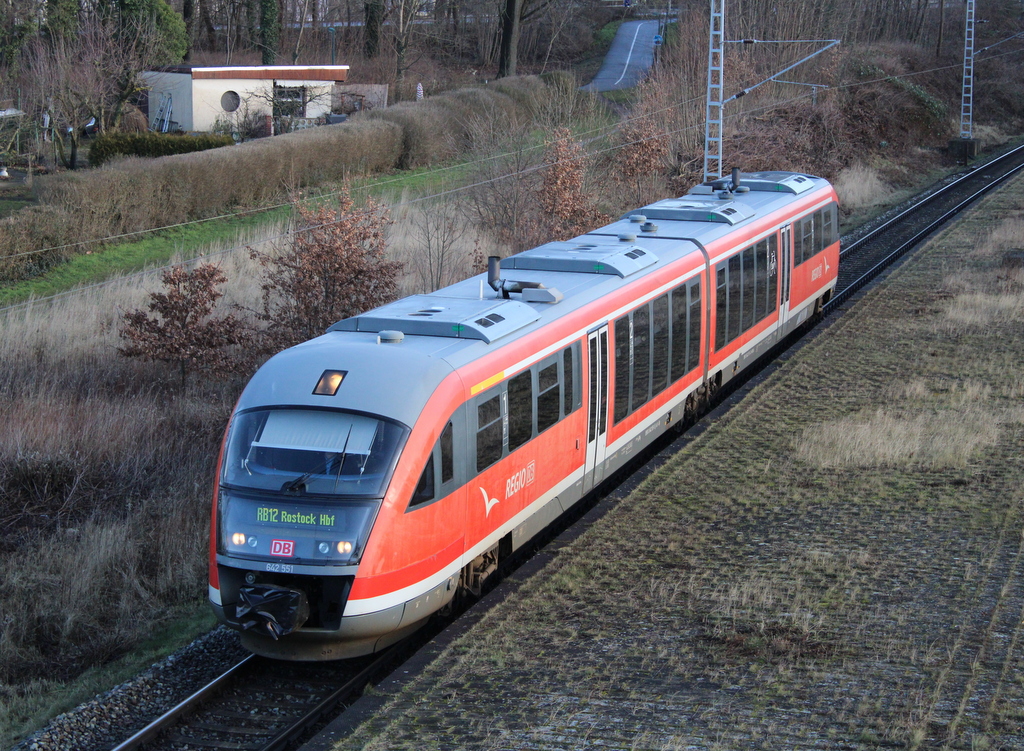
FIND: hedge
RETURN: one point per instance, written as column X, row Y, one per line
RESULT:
column 110, row 145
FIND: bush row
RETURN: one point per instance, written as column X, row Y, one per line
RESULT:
column 78, row 209
column 110, row 145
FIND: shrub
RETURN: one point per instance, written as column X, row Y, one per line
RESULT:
column 441, row 127
column 182, row 333
column 335, row 269
column 110, row 145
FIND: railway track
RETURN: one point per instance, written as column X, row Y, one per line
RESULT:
column 259, row 705
column 868, row 256
column 262, row 705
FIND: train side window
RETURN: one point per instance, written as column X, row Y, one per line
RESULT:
column 489, row 433
column 679, row 331
column 735, row 291
column 798, row 242
column 747, row 318
column 622, row 355
column 602, row 408
column 722, row 303
column 819, row 231
column 592, row 360
column 807, row 227
column 548, row 396
column 659, row 345
column 773, row 274
column 693, row 336
column 641, row 391
column 830, row 225
column 447, row 454
column 520, row 409
column 568, row 381
column 761, row 272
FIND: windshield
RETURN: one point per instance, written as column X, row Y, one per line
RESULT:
column 320, row 452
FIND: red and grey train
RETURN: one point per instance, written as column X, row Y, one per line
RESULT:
column 369, row 474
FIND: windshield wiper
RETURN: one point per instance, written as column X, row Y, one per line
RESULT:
column 300, row 481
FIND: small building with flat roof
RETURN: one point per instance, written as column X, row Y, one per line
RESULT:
column 190, row 98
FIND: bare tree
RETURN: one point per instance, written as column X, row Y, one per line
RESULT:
column 92, row 75
column 440, row 229
column 504, row 197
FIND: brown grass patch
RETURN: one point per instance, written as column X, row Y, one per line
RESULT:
column 884, row 438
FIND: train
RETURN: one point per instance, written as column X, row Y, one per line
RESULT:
column 371, row 474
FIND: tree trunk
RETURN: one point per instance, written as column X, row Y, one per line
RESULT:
column 373, row 21
column 270, row 31
column 188, row 12
column 509, row 20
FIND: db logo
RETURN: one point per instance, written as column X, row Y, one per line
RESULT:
column 282, row 547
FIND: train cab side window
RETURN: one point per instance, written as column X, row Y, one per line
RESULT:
column 490, row 428
column 425, row 487
column 441, row 457
column 447, row 454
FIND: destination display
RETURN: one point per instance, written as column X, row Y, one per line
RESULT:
column 297, row 516
column 313, row 532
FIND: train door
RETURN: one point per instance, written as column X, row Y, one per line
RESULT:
column 785, row 270
column 597, row 408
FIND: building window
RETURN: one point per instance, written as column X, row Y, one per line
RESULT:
column 290, row 101
column 230, row 101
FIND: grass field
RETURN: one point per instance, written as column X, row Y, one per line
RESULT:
column 836, row 564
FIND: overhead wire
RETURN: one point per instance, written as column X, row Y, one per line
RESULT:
column 439, row 194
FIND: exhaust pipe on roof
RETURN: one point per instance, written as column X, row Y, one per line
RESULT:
column 494, row 272
column 735, row 178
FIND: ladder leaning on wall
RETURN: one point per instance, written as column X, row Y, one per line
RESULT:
column 163, row 115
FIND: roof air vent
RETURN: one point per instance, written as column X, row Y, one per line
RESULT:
column 627, row 238
column 390, row 337
column 648, row 227
column 637, row 218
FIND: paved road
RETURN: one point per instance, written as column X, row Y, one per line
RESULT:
column 629, row 59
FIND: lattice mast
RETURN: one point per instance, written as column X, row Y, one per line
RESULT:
column 713, row 114
column 967, row 104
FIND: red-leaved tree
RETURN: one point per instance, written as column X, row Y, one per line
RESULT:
column 640, row 159
column 335, row 268
column 178, row 328
column 568, row 210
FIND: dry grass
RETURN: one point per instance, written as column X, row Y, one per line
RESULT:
column 879, row 438
column 861, row 187
column 105, row 471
